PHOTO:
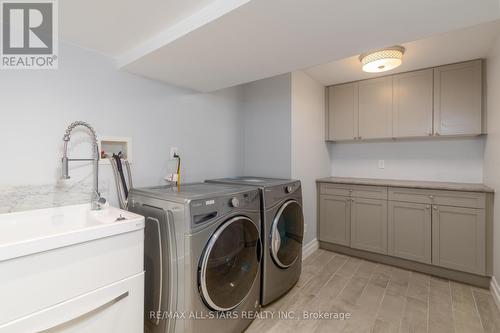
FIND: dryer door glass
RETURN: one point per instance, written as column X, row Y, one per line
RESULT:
column 287, row 233
column 230, row 264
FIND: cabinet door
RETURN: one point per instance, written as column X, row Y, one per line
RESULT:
column 118, row 307
column 410, row 231
column 458, row 238
column 458, row 99
column 369, row 225
column 375, row 108
column 413, row 104
column 335, row 219
column 343, row 112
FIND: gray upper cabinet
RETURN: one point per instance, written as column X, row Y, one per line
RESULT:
column 458, row 238
column 375, row 108
column 343, row 112
column 369, row 225
column 409, row 231
column 458, row 99
column 335, row 220
column 413, row 104
column 445, row 100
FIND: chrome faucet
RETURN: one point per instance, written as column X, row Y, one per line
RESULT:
column 97, row 202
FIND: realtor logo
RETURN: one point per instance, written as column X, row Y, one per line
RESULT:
column 29, row 34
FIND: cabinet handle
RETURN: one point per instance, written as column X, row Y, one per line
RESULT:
column 350, row 190
column 355, row 138
column 431, row 197
column 435, row 208
column 427, row 207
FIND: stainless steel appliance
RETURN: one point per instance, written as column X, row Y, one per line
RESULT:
column 282, row 232
column 202, row 256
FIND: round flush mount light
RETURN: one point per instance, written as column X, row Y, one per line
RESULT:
column 382, row 60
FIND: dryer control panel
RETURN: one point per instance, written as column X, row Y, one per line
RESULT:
column 275, row 194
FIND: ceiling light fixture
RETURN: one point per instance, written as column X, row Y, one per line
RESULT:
column 382, row 60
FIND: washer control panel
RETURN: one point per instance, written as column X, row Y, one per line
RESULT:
column 205, row 210
column 235, row 202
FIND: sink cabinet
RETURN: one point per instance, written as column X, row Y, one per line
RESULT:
column 92, row 285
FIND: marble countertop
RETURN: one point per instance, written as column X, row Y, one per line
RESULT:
column 451, row 186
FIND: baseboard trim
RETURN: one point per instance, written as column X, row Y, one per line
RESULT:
column 495, row 291
column 309, row 248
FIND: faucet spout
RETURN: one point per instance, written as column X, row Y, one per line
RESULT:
column 97, row 202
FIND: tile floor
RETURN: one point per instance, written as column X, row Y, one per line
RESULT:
column 380, row 298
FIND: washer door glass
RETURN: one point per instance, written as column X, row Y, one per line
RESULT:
column 230, row 264
column 287, row 233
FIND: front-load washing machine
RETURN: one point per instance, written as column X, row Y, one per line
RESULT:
column 202, row 256
column 282, row 232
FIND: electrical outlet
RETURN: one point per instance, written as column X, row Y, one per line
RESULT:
column 381, row 164
column 173, row 151
column 172, row 177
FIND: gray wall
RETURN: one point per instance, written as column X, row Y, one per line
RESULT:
column 283, row 120
column 310, row 159
column 266, row 121
column 37, row 106
column 492, row 147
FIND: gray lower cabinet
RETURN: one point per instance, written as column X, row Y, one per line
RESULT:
column 369, row 225
column 335, row 219
column 409, row 231
column 442, row 228
column 458, row 238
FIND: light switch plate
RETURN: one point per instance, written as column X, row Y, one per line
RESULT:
column 381, row 164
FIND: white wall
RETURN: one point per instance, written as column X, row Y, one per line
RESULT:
column 452, row 159
column 266, row 106
column 37, row 106
column 492, row 146
column 310, row 159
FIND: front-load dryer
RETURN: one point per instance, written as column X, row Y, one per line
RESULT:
column 282, row 232
column 202, row 257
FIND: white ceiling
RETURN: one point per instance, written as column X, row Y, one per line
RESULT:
column 459, row 45
column 207, row 45
column 112, row 27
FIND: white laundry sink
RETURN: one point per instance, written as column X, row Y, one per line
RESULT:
column 39, row 230
column 71, row 269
